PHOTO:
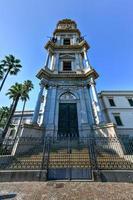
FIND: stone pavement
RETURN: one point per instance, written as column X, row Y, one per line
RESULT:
column 66, row 191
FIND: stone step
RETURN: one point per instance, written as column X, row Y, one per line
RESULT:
column 65, row 159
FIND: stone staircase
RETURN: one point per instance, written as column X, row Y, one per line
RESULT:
column 61, row 155
column 73, row 159
column 111, row 161
column 30, row 160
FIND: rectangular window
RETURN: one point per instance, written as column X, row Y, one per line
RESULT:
column 118, row 120
column 111, row 102
column 24, row 119
column 67, row 65
column 130, row 101
column 66, row 41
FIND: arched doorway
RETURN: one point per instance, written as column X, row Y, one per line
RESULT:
column 68, row 120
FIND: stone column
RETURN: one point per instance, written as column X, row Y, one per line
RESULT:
column 81, row 61
column 95, row 103
column 38, row 104
column 52, row 105
column 50, row 59
column 58, row 40
column 47, row 107
column 47, row 60
column 43, row 106
column 57, row 62
column 52, row 62
column 77, row 61
column 87, row 65
column 83, row 111
column 89, row 105
column 74, row 40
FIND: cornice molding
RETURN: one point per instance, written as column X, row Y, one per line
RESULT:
column 116, row 93
column 67, row 31
column 51, row 45
column 49, row 75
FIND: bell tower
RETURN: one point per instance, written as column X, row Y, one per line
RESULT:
column 72, row 106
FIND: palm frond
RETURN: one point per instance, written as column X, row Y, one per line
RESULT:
column 12, row 64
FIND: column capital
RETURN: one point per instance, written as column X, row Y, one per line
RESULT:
column 53, row 85
column 91, row 82
column 44, row 83
column 84, row 49
column 41, row 84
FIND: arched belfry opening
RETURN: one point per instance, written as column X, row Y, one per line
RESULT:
column 67, row 117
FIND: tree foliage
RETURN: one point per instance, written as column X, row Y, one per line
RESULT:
column 10, row 65
column 17, row 92
column 4, row 113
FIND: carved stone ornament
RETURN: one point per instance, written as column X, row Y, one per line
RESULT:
column 67, row 96
column 65, row 26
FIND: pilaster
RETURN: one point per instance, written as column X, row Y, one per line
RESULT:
column 77, row 61
column 52, row 62
column 57, row 62
column 47, row 60
column 95, row 103
column 84, row 119
column 52, row 105
column 49, row 115
column 89, row 105
column 38, row 104
column 87, row 65
column 84, row 128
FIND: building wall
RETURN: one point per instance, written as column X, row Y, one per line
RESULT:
column 121, row 108
column 27, row 118
column 82, row 100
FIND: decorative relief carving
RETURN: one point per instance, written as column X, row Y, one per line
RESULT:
column 67, row 96
column 66, row 26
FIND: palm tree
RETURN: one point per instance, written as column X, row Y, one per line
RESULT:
column 10, row 65
column 27, row 87
column 4, row 112
column 15, row 93
column 1, row 72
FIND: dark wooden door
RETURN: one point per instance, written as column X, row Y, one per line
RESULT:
column 68, row 121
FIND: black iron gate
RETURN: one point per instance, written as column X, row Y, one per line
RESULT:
column 69, row 159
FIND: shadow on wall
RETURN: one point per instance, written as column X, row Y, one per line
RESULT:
column 7, row 196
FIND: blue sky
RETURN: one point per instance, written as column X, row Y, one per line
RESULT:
column 107, row 24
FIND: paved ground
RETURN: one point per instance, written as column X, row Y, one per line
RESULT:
column 66, row 191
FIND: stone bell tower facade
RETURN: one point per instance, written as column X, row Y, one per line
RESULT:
column 72, row 106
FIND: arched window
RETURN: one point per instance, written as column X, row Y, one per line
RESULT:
column 67, row 96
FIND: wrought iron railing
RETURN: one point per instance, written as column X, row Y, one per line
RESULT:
column 94, row 153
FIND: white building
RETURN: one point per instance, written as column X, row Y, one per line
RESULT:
column 117, row 107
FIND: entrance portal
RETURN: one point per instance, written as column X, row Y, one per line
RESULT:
column 68, row 121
